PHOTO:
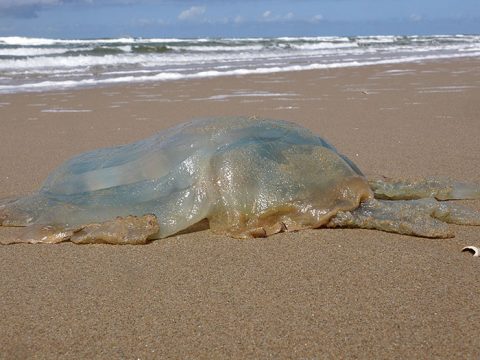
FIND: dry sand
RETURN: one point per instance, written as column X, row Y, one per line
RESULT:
column 306, row 295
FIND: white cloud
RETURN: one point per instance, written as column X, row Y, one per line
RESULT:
column 271, row 17
column 146, row 22
column 238, row 19
column 16, row 3
column 25, row 8
column 317, row 18
column 193, row 13
column 416, row 17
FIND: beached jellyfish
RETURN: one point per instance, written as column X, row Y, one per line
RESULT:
column 247, row 177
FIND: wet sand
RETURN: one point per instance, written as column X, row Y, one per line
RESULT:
column 327, row 293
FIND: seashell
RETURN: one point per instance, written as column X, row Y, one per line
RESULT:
column 475, row 251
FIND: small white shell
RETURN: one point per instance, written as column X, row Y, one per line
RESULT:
column 475, row 251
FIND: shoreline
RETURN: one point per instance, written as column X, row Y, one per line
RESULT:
column 240, row 73
column 326, row 292
column 48, row 64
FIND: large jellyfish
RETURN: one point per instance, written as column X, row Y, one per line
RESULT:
column 248, row 177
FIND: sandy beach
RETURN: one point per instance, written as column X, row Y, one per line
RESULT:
column 326, row 293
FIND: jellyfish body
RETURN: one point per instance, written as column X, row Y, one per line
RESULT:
column 247, row 177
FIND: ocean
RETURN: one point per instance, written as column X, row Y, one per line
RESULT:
column 38, row 64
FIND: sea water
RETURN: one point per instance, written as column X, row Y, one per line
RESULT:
column 37, row 64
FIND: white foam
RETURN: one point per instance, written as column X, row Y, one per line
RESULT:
column 28, row 41
column 315, row 38
column 399, row 71
column 31, row 51
column 30, row 64
column 445, row 89
column 243, row 94
column 211, row 49
column 65, row 111
column 25, row 41
column 322, row 46
column 166, row 76
column 286, row 108
column 377, row 39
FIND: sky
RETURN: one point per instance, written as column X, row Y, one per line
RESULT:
column 71, row 19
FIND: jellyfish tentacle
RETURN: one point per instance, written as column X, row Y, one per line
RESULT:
column 121, row 230
column 438, row 188
column 424, row 217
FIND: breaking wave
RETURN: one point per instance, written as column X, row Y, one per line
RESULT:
column 33, row 64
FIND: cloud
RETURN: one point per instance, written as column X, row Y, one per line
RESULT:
column 192, row 14
column 239, row 19
column 26, row 8
column 317, row 18
column 30, row 8
column 269, row 16
column 148, row 22
column 13, row 3
column 416, row 17
column 20, row 10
